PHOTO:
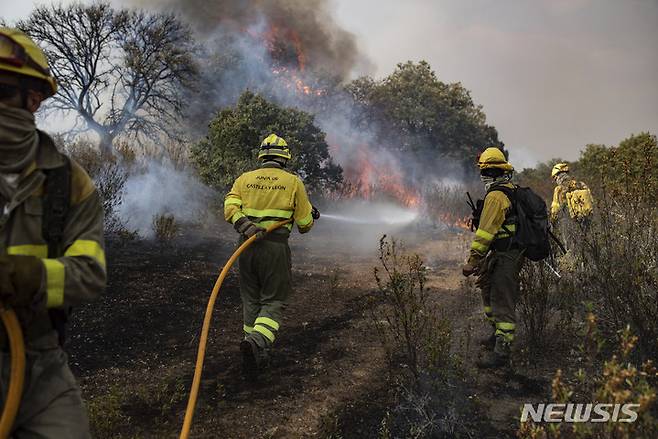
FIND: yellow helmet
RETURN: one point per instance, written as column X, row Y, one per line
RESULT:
column 494, row 158
column 559, row 168
column 274, row 145
column 19, row 54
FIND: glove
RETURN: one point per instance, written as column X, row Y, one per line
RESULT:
column 20, row 279
column 469, row 269
column 315, row 213
column 248, row 229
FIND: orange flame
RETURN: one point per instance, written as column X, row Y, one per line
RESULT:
column 289, row 60
column 452, row 220
column 368, row 181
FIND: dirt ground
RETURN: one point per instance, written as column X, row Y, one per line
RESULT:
column 134, row 350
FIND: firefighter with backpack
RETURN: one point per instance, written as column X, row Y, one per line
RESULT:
column 510, row 223
column 571, row 210
column 571, row 195
column 51, row 244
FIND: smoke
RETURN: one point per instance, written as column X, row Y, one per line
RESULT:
column 294, row 53
column 161, row 189
column 309, row 24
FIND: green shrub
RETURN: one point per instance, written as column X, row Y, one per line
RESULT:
column 234, row 137
column 617, row 380
column 407, row 320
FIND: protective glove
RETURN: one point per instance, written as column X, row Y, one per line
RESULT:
column 20, row 279
column 248, row 229
column 315, row 213
column 469, row 269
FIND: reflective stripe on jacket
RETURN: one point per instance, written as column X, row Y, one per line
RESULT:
column 495, row 223
column 268, row 195
column 79, row 274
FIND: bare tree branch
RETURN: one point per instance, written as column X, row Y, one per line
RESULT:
column 120, row 71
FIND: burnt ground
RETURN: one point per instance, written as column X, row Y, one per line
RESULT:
column 134, row 350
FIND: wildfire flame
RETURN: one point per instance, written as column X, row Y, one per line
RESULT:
column 452, row 220
column 286, row 52
column 369, row 181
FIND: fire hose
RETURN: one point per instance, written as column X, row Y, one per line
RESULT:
column 17, row 374
column 203, row 341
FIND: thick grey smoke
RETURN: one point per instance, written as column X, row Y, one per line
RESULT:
column 309, row 24
column 294, row 53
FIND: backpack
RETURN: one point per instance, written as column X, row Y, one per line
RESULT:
column 56, row 203
column 532, row 228
column 579, row 201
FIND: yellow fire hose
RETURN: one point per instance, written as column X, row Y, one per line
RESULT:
column 194, row 392
column 17, row 376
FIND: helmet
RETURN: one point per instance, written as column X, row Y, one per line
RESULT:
column 558, row 169
column 274, row 145
column 19, row 54
column 494, row 158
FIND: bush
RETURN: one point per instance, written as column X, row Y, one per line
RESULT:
column 409, row 323
column 536, row 306
column 109, row 175
column 233, row 140
column 612, row 261
column 617, row 381
column 446, row 203
column 616, row 265
column 431, row 398
column 165, row 227
column 110, row 182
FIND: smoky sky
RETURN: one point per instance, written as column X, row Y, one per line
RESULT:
column 551, row 75
column 327, row 47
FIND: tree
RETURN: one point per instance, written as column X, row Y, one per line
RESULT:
column 231, row 146
column 628, row 171
column 539, row 178
column 417, row 114
column 121, row 71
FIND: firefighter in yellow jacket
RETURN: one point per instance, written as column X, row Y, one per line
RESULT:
column 570, row 195
column 496, row 259
column 258, row 199
column 49, row 261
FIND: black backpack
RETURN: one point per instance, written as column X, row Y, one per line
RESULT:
column 532, row 227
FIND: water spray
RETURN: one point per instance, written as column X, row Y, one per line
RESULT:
column 399, row 219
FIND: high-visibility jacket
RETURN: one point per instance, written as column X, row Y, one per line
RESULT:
column 575, row 196
column 79, row 273
column 268, row 195
column 496, row 226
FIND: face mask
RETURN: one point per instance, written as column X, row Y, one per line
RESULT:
column 18, row 139
column 488, row 181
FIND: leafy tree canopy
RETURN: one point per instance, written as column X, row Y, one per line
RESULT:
column 231, row 146
column 416, row 113
column 627, row 170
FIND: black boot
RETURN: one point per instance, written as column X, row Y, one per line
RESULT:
column 498, row 359
column 492, row 360
column 488, row 342
column 249, row 352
